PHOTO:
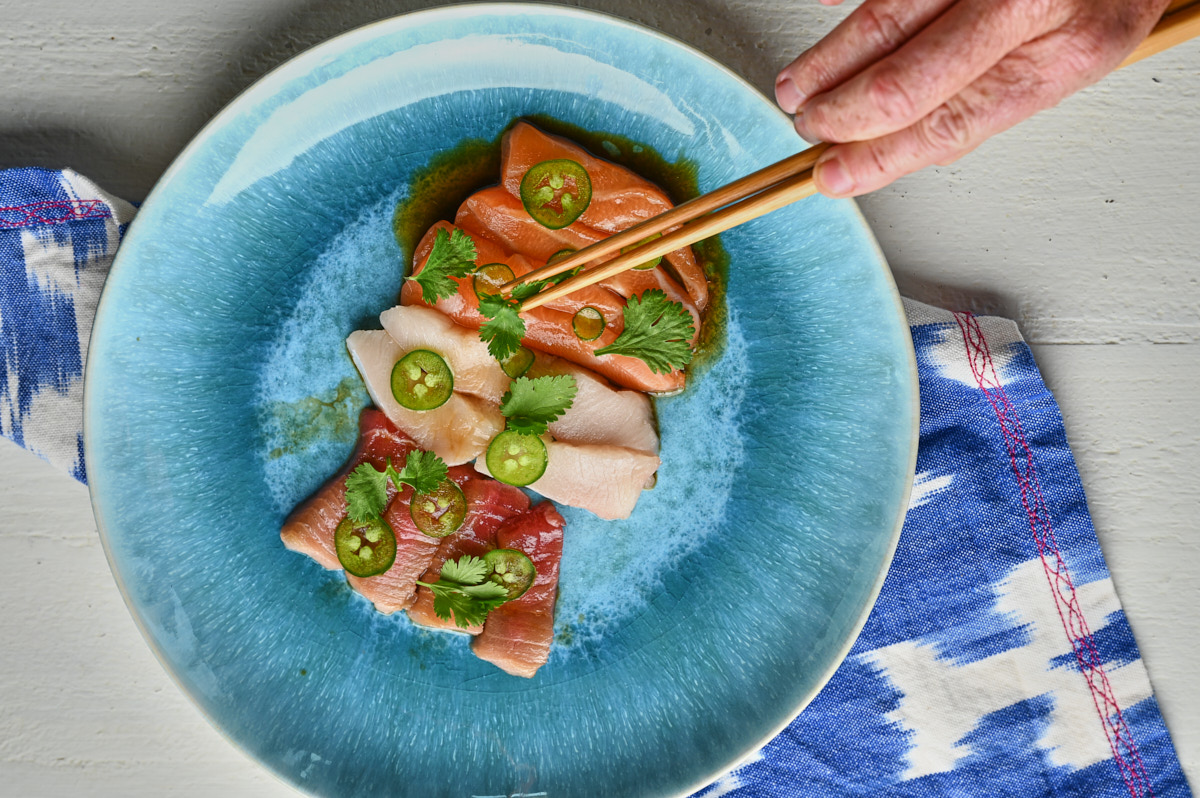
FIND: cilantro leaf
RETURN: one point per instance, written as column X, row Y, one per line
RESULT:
column 423, row 470
column 462, row 594
column 453, row 255
column 366, row 487
column 366, row 493
column 531, row 404
column 525, row 290
column 657, row 331
column 466, row 570
column 505, row 328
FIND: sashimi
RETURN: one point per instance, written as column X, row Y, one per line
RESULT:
column 606, row 480
column 489, row 504
column 516, row 636
column 458, row 431
column 309, row 529
column 495, row 214
column 599, row 413
column 620, row 198
column 396, row 588
column 546, row 330
column 475, row 371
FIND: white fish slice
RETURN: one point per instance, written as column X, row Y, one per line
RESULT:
column 606, row 480
column 475, row 371
column 458, row 431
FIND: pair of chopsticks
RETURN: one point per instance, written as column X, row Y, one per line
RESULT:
column 760, row 193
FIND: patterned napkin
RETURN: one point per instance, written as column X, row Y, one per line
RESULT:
column 997, row 661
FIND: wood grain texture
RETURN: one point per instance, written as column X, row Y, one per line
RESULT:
column 1092, row 246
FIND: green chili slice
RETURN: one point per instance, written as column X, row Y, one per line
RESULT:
column 441, row 511
column 519, row 362
column 650, row 264
column 510, row 569
column 367, row 548
column 556, row 192
column 421, row 380
column 589, row 323
column 517, row 459
column 490, row 277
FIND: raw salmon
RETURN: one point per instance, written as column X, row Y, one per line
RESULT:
column 606, row 480
column 516, row 636
column 458, row 431
column 620, row 198
column 546, row 329
column 495, row 214
column 309, row 529
column 489, row 504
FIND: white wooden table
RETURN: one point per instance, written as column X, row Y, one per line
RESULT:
column 1081, row 224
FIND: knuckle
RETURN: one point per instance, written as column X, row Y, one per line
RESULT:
column 891, row 96
column 948, row 129
column 882, row 30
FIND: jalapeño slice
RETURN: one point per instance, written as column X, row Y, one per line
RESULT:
column 490, row 277
column 441, row 511
column 589, row 323
column 510, row 569
column 421, row 380
column 516, row 364
column 650, row 264
column 517, row 459
column 365, row 548
column 555, row 192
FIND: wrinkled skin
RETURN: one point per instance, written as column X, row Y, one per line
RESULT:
column 903, row 84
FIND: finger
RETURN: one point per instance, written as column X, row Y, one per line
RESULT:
column 1019, row 86
column 952, row 159
column 870, row 32
column 945, row 57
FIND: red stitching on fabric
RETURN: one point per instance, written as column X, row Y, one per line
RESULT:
column 1066, row 602
column 52, row 212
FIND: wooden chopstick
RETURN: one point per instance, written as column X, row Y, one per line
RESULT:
column 1180, row 23
column 762, row 192
column 739, row 189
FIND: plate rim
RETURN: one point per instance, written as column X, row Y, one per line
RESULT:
column 453, row 11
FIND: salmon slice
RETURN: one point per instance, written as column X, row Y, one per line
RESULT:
column 495, row 214
column 489, row 504
column 458, row 431
column 605, row 480
column 546, row 329
column 309, row 529
column 475, row 371
column 600, row 414
column 516, row 636
column 620, row 198
column 396, row 588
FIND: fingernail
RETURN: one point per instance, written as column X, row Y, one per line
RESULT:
column 788, row 95
column 802, row 129
column 832, row 176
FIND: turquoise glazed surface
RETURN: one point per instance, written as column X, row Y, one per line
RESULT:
column 219, row 395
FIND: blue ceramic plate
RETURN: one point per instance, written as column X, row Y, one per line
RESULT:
column 219, row 395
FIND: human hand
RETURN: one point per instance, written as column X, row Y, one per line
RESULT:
column 910, row 83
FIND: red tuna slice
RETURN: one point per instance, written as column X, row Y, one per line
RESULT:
column 546, row 329
column 309, row 529
column 499, row 216
column 489, row 505
column 516, row 636
column 620, row 197
column 396, row 588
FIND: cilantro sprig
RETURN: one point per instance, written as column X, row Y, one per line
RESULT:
column 464, row 593
column 453, row 255
column 504, row 328
column 657, row 331
column 366, row 487
column 530, row 405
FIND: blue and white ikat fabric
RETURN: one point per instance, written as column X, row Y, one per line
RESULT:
column 997, row 660
column 58, row 235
